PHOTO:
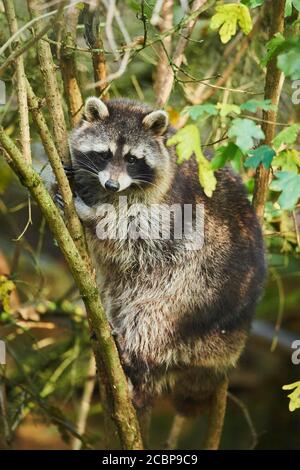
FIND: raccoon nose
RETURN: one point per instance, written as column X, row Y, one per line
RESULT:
column 112, row 185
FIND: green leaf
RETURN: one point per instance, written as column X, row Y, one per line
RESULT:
column 289, row 185
column 263, row 154
column 226, row 109
column 287, row 136
column 245, row 132
column 289, row 62
column 273, row 47
column 287, row 160
column 188, row 142
column 224, row 154
column 199, row 110
column 253, row 105
column 289, row 7
column 227, row 17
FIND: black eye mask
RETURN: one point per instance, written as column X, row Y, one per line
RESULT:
column 95, row 161
column 140, row 170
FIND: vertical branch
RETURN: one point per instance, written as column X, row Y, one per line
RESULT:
column 164, row 24
column 68, row 66
column 94, row 41
column 178, row 55
column 21, row 83
column 85, row 403
column 273, row 86
column 175, row 432
column 216, row 417
column 72, row 219
column 53, row 96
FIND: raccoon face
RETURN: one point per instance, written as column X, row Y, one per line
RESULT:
column 118, row 146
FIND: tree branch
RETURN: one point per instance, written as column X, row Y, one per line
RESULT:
column 216, row 417
column 104, row 347
column 164, row 24
column 73, row 222
column 21, row 83
column 53, row 97
column 68, row 66
column 273, row 86
column 94, row 41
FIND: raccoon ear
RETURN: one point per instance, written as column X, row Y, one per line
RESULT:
column 157, row 121
column 95, row 109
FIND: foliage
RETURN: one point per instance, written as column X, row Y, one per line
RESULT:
column 187, row 142
column 294, row 396
column 261, row 155
column 227, row 17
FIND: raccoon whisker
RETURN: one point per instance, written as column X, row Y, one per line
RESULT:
column 85, row 165
column 147, row 182
column 87, row 171
column 89, row 160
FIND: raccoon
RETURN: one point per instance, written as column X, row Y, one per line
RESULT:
column 181, row 316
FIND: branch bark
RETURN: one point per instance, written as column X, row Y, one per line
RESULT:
column 94, row 41
column 216, row 417
column 273, row 88
column 53, row 97
column 165, row 23
column 105, row 350
column 68, row 66
column 21, row 83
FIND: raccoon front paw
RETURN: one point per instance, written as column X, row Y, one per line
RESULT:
column 70, row 172
column 84, row 212
column 58, row 200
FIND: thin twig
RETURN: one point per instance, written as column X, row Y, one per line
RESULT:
column 175, row 431
column 28, row 25
column 247, row 416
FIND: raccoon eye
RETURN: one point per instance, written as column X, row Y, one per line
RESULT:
column 131, row 159
column 105, row 155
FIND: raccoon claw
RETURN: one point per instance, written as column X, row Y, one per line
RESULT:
column 69, row 170
column 59, row 201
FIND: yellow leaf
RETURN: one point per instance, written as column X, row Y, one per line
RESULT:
column 227, row 17
column 294, row 396
column 188, row 142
